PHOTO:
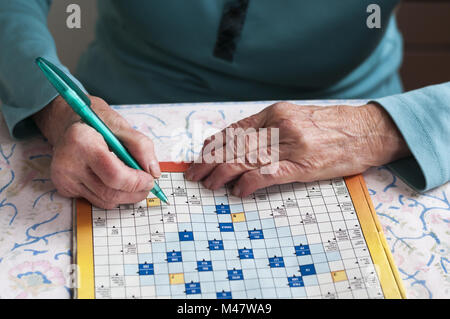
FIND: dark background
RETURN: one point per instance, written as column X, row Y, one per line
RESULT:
column 425, row 25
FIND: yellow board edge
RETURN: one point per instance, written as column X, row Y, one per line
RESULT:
column 390, row 281
column 84, row 251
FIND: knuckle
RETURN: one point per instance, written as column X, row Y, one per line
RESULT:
column 116, row 121
column 75, row 135
column 279, row 108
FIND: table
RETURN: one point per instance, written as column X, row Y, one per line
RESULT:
column 36, row 223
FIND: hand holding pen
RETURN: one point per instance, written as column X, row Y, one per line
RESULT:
column 82, row 162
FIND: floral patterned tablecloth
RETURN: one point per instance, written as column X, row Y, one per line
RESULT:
column 36, row 223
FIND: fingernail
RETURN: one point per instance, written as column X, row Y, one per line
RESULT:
column 189, row 174
column 236, row 191
column 207, row 183
column 154, row 168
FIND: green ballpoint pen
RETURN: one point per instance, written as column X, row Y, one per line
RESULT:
column 81, row 104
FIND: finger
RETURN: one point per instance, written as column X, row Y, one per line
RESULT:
column 221, row 138
column 242, row 145
column 114, row 173
column 110, row 195
column 254, row 121
column 84, row 192
column 225, row 173
column 142, row 149
column 140, row 146
column 273, row 174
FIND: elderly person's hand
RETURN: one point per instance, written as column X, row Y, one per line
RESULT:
column 315, row 143
column 82, row 164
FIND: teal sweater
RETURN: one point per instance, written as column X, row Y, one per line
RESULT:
column 181, row 51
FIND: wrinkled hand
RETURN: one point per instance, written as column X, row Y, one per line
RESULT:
column 83, row 166
column 315, row 143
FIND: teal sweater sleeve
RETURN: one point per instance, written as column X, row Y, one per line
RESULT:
column 423, row 117
column 24, row 36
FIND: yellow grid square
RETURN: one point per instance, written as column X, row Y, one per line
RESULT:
column 176, row 279
column 237, row 218
column 152, row 202
column 339, row 275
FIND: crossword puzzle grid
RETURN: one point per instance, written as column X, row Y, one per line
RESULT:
column 289, row 241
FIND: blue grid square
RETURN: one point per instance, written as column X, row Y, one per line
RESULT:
column 224, row 295
column 307, row 270
column 204, row 265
